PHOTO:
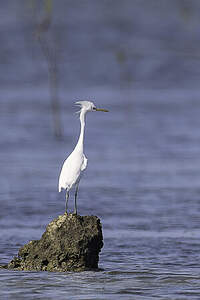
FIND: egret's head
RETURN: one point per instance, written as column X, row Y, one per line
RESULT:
column 89, row 106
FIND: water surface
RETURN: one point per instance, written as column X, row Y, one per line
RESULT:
column 143, row 156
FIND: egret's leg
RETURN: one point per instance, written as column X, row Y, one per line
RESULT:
column 67, row 198
column 76, row 193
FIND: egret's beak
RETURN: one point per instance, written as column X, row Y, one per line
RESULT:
column 101, row 109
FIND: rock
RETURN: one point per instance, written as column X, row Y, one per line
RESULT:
column 3, row 267
column 70, row 243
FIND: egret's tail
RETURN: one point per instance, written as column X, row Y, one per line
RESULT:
column 59, row 187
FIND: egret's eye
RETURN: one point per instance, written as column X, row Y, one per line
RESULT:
column 94, row 108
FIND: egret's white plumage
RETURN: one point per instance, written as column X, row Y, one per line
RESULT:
column 76, row 162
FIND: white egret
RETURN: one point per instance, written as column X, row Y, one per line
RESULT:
column 76, row 162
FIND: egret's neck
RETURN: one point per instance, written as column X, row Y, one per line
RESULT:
column 80, row 143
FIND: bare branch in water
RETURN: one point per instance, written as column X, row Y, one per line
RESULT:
column 44, row 36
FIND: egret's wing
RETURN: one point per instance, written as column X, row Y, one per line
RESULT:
column 84, row 164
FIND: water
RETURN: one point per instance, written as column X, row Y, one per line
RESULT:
column 143, row 169
column 142, row 181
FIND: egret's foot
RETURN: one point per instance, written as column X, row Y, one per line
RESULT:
column 75, row 212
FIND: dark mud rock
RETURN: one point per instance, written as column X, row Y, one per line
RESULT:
column 3, row 267
column 70, row 243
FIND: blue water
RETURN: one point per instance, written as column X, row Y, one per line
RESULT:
column 143, row 174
